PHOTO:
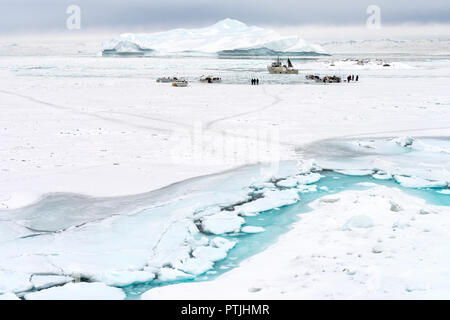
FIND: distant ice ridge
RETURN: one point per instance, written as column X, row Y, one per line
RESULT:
column 433, row 47
column 226, row 37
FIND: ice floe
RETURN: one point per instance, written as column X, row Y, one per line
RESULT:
column 222, row 222
column 272, row 199
column 123, row 278
column 252, row 229
column 46, row 281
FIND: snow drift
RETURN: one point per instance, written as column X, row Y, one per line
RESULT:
column 226, row 37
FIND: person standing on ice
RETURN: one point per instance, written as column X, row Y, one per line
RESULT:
column 349, row 78
column 357, row 77
column 257, row 82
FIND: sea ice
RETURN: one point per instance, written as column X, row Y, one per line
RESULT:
column 14, row 281
column 317, row 252
column 78, row 291
column 193, row 266
column 46, row 281
column 287, row 183
column 8, row 296
column 123, row 278
column 222, row 222
column 170, row 274
column 272, row 199
column 252, row 229
column 360, row 221
column 307, row 188
column 416, row 182
column 309, row 178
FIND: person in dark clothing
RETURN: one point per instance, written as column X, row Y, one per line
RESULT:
column 253, row 81
column 357, row 77
column 257, row 82
column 353, row 77
column 349, row 78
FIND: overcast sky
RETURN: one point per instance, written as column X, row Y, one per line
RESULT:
column 126, row 15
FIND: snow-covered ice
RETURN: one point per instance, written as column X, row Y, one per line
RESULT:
column 8, row 296
column 252, row 229
column 222, row 222
column 93, row 186
column 46, row 281
column 78, row 291
column 272, row 199
column 354, row 243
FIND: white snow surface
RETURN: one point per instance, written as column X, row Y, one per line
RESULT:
column 8, row 296
column 78, row 291
column 227, row 34
column 46, row 281
column 385, row 254
column 83, row 133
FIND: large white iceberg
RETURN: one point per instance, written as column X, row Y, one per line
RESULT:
column 226, row 37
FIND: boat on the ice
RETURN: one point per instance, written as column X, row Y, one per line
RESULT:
column 166, row 79
column 331, row 79
column 325, row 79
column 210, row 79
column 180, row 83
column 278, row 68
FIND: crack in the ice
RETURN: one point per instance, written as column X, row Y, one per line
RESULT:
column 274, row 103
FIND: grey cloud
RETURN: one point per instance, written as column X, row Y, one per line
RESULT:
column 31, row 15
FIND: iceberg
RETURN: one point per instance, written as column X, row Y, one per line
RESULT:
column 127, row 48
column 227, row 37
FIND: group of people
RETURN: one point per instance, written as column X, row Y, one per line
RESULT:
column 255, row 82
column 352, row 78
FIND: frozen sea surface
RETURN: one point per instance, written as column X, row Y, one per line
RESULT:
column 196, row 230
column 97, row 113
column 231, row 70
